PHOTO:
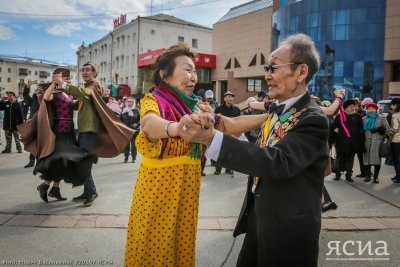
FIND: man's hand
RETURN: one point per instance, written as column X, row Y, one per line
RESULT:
column 193, row 130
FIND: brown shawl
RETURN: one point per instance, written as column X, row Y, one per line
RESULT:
column 112, row 138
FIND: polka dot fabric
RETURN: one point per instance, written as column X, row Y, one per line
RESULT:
column 163, row 219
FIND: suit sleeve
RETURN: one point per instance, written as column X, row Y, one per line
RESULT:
column 294, row 153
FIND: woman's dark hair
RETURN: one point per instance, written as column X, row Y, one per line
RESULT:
column 166, row 61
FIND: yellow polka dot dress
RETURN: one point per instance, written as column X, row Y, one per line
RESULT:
column 163, row 218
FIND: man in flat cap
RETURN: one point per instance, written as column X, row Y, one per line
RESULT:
column 227, row 109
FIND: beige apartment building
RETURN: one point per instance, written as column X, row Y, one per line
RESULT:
column 15, row 73
column 392, row 49
column 242, row 43
column 125, row 55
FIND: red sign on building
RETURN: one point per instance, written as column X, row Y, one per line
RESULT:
column 119, row 21
column 202, row 60
column 149, row 58
column 206, row 60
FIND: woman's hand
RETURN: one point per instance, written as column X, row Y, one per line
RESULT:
column 205, row 119
column 207, row 108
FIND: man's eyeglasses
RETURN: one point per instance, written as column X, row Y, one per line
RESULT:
column 272, row 68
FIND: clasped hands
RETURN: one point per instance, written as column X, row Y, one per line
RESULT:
column 198, row 127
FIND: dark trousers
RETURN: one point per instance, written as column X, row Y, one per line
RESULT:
column 256, row 253
column 219, row 168
column 131, row 147
column 361, row 162
column 31, row 158
column 86, row 141
column 395, row 149
column 377, row 168
column 346, row 162
column 327, row 197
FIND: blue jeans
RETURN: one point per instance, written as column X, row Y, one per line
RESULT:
column 86, row 141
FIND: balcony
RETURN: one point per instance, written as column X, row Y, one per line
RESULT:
column 394, row 88
column 23, row 72
column 44, row 74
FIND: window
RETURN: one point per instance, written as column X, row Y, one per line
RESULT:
column 9, row 80
column 253, row 62
column 254, row 85
column 339, row 66
column 9, row 70
column 0, row 79
column 35, row 72
column 237, row 65
column 263, row 61
column 228, row 65
column 194, row 43
column 0, row 69
column 181, row 39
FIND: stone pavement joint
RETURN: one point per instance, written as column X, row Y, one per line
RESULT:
column 205, row 223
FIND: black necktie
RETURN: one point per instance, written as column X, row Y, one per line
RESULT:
column 274, row 108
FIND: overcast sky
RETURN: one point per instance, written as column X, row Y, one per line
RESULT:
column 53, row 29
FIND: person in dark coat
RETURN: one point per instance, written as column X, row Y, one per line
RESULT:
column 227, row 109
column 12, row 117
column 281, row 213
column 130, row 116
column 349, row 140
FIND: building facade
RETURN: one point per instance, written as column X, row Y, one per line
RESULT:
column 16, row 73
column 241, row 42
column 392, row 49
column 350, row 36
column 117, row 54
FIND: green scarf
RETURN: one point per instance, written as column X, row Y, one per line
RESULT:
column 190, row 100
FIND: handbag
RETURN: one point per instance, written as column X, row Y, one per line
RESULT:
column 384, row 148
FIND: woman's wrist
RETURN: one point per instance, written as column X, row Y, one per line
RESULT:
column 171, row 129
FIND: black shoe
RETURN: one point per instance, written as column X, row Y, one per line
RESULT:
column 397, row 181
column 133, row 160
column 89, row 201
column 367, row 179
column 55, row 192
column 217, row 172
column 30, row 164
column 337, row 178
column 6, row 151
column 348, row 179
column 376, row 181
column 361, row 175
column 230, row 172
column 81, row 197
column 19, row 151
column 328, row 205
column 42, row 188
column 394, row 178
column 126, row 160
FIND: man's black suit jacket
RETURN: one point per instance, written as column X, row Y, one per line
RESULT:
column 287, row 197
